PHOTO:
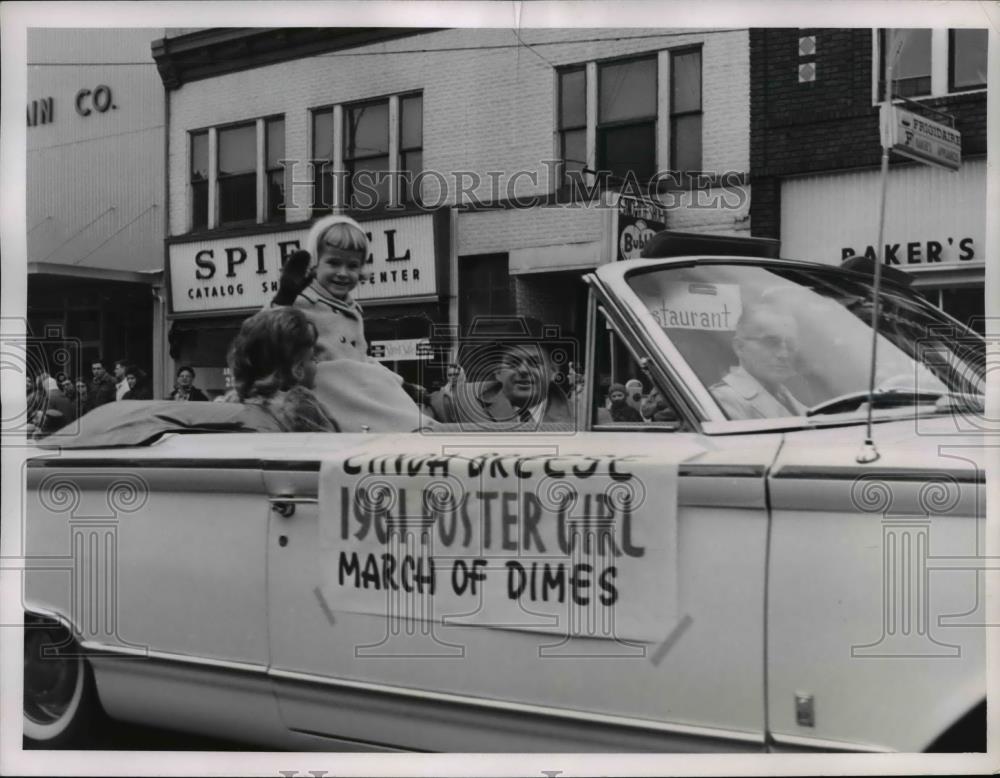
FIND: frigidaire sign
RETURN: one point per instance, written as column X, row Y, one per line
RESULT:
column 242, row 272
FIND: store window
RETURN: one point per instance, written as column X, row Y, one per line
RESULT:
column 366, row 153
column 239, row 196
column 932, row 62
column 411, row 145
column 626, row 118
column 685, row 110
column 199, row 180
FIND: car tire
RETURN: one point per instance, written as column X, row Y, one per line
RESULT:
column 61, row 707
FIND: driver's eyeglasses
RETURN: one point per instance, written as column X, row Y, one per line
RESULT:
column 775, row 342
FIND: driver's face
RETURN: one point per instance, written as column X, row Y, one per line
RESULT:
column 523, row 374
column 767, row 346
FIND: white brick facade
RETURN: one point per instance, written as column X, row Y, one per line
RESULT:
column 489, row 104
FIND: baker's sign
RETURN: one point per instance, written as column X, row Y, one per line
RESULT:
column 572, row 545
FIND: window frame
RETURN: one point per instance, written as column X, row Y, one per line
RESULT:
column 941, row 62
column 643, row 121
column 673, row 116
column 402, row 195
column 952, row 89
column 213, row 217
column 325, row 166
column 347, row 161
column 561, row 128
column 199, row 224
column 278, row 209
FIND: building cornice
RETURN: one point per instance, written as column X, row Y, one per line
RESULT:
column 216, row 51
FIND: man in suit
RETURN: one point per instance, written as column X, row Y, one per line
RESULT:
column 520, row 394
column 765, row 344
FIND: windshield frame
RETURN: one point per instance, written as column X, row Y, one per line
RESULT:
column 613, row 279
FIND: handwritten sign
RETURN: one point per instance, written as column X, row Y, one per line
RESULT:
column 572, row 545
column 697, row 306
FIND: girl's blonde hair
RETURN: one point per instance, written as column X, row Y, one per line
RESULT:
column 336, row 231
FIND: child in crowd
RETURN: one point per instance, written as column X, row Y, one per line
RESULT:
column 273, row 362
column 360, row 392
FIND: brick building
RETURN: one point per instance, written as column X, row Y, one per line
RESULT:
column 815, row 154
column 269, row 128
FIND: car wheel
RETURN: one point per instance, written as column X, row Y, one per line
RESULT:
column 60, row 700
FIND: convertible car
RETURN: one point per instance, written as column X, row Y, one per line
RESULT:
column 781, row 551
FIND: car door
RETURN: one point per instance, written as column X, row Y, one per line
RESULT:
column 401, row 677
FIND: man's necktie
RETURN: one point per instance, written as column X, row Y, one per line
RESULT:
column 524, row 414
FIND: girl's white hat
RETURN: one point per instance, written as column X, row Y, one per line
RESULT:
column 320, row 227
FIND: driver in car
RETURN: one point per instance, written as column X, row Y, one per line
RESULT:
column 765, row 345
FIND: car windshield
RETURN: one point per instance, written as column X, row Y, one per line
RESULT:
column 770, row 341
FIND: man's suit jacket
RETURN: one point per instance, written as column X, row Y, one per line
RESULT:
column 486, row 402
column 742, row 397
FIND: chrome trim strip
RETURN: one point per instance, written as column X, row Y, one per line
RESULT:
column 186, row 463
column 519, row 707
column 834, row 473
column 822, row 744
column 721, row 471
column 96, row 647
column 278, row 499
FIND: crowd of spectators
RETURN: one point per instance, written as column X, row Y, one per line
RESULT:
column 53, row 402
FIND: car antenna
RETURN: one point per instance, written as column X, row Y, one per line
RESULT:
column 869, row 453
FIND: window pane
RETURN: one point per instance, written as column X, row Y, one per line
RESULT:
column 275, row 142
column 238, row 150
column 411, row 163
column 199, row 156
column 912, row 70
column 238, row 198
column 199, row 204
column 322, row 134
column 322, row 188
column 275, row 194
column 685, row 142
column 411, row 130
column 368, row 183
column 627, row 90
column 573, row 98
column 574, row 151
column 621, row 149
column 968, row 58
column 367, row 130
column 685, row 88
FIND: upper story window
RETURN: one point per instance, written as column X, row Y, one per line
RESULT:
column 625, row 131
column 199, row 180
column 366, row 153
column 626, row 118
column 573, row 121
column 233, row 178
column 967, row 59
column 411, row 144
column 685, row 110
column 379, row 162
column 933, row 62
column 238, row 174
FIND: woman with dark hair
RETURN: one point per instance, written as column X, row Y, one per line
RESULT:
column 138, row 387
column 184, row 388
column 273, row 362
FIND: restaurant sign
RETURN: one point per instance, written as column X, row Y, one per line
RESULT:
column 242, row 272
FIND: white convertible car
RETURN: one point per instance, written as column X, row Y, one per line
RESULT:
column 737, row 567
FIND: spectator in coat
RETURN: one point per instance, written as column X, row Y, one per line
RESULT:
column 184, row 388
column 619, row 406
column 122, row 367
column 138, row 385
column 102, row 387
